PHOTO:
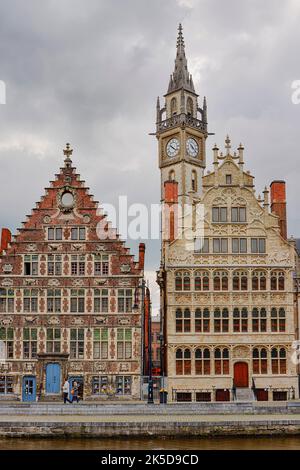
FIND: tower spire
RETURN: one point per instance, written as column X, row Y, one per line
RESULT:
column 181, row 78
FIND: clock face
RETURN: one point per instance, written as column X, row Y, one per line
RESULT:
column 173, row 147
column 192, row 147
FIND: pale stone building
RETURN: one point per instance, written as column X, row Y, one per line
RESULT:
column 228, row 313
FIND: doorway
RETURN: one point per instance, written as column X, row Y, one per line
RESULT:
column 241, row 376
column 29, row 389
column 53, row 372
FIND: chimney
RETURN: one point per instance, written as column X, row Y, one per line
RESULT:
column 142, row 256
column 5, row 239
column 278, row 205
column 170, row 210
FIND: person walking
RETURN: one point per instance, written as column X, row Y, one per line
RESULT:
column 66, row 391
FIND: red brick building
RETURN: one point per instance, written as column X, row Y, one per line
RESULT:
column 66, row 298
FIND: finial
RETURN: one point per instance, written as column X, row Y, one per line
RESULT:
column 68, row 152
column 227, row 145
column 180, row 40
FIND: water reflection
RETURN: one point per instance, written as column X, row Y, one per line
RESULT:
column 213, row 443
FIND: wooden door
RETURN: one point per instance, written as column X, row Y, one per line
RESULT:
column 241, row 378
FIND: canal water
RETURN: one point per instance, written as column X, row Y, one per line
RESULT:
column 213, row 443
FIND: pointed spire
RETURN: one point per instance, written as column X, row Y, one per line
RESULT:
column 180, row 41
column 68, row 152
column 227, row 145
column 181, row 78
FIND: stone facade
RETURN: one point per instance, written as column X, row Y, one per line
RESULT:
column 228, row 312
column 67, row 287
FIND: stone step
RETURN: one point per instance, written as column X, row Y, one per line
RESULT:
column 244, row 395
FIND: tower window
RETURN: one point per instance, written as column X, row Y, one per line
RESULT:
column 228, row 179
column 172, row 175
column 189, row 106
column 173, row 106
column 194, row 180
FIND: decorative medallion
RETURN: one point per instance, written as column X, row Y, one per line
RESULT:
column 53, row 321
column 7, row 268
column 125, row 268
column 7, row 282
column 47, row 219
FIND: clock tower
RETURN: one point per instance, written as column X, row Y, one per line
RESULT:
column 181, row 130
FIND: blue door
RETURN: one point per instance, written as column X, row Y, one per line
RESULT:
column 53, row 378
column 29, row 389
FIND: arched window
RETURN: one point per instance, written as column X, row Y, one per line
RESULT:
column 173, row 106
column 186, row 281
column 278, row 360
column 259, row 280
column 221, row 320
column 240, row 320
column 259, row 320
column 277, row 320
column 194, row 181
column 220, row 280
column 201, row 280
column 189, row 106
column 277, row 280
column 183, row 362
column 178, row 281
column 202, row 320
column 202, row 361
column 183, row 320
column 171, row 175
column 259, row 361
column 221, row 361
column 240, row 280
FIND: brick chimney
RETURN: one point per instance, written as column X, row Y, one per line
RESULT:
column 278, row 205
column 5, row 239
column 142, row 249
column 170, row 217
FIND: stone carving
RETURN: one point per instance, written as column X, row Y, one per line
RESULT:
column 78, row 282
column 125, row 283
column 55, row 247
column 241, row 351
column 53, row 321
column 124, row 321
column 30, row 282
column 6, row 321
column 125, row 268
column 29, row 367
column 47, row 219
column 100, row 320
column 100, row 367
column 54, row 283
column 77, row 321
column 100, row 282
column 77, row 246
column 32, row 247
column 31, row 320
column 7, row 268
column 280, row 257
column 7, row 282
column 124, row 367
column 76, row 366
column 100, row 248
column 86, row 219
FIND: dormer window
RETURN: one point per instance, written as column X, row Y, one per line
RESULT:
column 78, row 233
column 54, row 233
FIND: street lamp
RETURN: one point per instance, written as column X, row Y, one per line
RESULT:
column 145, row 289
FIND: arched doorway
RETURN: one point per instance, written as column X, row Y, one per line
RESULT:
column 241, row 375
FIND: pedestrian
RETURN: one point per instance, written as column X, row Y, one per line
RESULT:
column 75, row 391
column 66, row 391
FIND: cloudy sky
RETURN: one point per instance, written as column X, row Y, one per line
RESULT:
column 89, row 72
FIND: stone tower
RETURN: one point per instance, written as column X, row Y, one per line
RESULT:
column 181, row 131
